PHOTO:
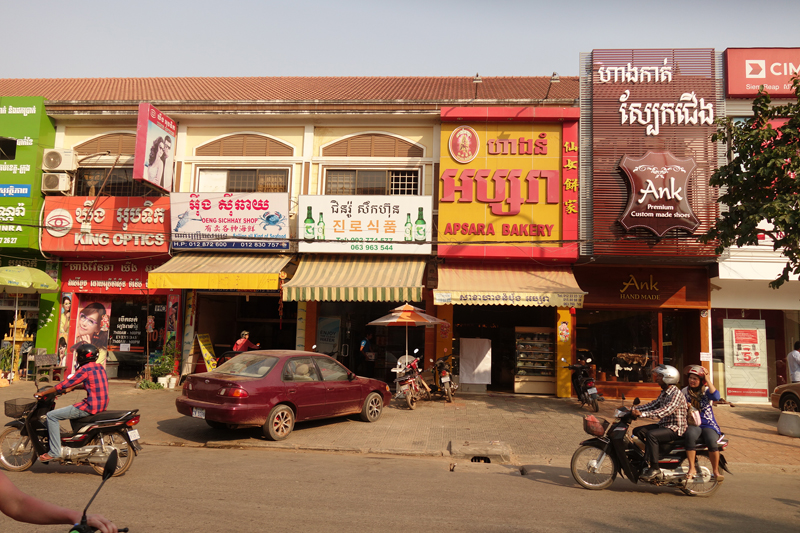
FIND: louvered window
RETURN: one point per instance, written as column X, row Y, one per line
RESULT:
column 244, row 180
column 119, row 183
column 372, row 182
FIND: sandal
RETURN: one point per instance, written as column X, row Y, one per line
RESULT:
column 719, row 478
column 46, row 458
column 690, row 476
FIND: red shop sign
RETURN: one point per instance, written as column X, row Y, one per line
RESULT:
column 106, row 224
column 110, row 277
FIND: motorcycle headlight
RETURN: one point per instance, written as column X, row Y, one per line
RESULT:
column 619, row 413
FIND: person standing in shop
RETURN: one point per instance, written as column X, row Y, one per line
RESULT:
column 366, row 357
column 244, row 344
column 793, row 363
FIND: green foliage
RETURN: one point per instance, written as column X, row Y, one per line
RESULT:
column 148, row 385
column 164, row 366
column 6, row 354
column 759, row 184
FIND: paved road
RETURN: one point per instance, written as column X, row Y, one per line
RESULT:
column 202, row 489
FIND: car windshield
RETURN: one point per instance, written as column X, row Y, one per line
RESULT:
column 248, row 364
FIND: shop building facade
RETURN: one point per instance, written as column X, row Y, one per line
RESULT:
column 647, row 117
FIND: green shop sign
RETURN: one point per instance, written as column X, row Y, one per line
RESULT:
column 25, row 132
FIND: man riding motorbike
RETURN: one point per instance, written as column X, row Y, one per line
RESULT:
column 95, row 381
column 670, row 407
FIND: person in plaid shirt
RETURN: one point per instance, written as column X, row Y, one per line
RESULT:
column 671, row 408
column 95, row 381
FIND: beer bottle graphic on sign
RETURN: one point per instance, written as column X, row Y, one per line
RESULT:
column 308, row 231
column 320, row 229
column 408, row 235
column 420, row 231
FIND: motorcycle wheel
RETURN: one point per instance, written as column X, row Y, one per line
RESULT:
column 583, row 458
column 702, row 484
column 449, row 392
column 595, row 405
column 16, row 451
column 411, row 401
column 125, row 453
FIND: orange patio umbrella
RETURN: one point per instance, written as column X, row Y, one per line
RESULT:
column 406, row 315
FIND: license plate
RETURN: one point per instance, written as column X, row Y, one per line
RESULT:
column 198, row 412
column 404, row 387
column 593, row 390
column 445, row 379
column 133, row 434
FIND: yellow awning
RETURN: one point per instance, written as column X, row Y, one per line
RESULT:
column 508, row 284
column 352, row 278
column 220, row 271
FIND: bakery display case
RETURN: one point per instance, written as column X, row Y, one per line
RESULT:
column 535, row 371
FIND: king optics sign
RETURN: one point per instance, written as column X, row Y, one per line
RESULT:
column 658, row 184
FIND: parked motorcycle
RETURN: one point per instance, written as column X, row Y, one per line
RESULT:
column 90, row 442
column 583, row 384
column 613, row 450
column 442, row 378
column 410, row 384
column 108, row 471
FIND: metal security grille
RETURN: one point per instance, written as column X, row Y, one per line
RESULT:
column 258, row 180
column 119, row 183
column 372, row 182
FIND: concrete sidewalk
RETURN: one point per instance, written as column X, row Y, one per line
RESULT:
column 533, row 429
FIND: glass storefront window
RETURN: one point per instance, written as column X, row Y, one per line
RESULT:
column 619, row 342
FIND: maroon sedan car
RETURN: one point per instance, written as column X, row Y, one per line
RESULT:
column 275, row 388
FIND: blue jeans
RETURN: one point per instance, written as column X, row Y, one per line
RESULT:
column 54, row 427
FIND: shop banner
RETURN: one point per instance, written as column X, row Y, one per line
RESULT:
column 328, row 329
column 155, row 147
column 230, row 221
column 110, row 277
column 25, row 131
column 373, row 225
column 745, row 350
column 106, row 224
column 748, row 69
column 91, row 325
column 207, row 349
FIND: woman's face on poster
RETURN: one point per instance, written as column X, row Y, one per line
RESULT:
column 89, row 322
column 67, row 305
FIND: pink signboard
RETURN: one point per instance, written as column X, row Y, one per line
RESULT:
column 748, row 69
column 155, row 147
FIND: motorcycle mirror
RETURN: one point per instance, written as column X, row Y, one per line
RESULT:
column 623, row 397
column 636, row 401
column 108, row 471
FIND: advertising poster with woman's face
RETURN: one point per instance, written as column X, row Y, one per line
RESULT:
column 92, row 325
column 155, row 147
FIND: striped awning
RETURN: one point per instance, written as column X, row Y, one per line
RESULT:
column 344, row 278
column 507, row 284
column 219, row 271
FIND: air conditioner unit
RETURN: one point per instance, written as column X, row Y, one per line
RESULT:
column 59, row 160
column 57, row 182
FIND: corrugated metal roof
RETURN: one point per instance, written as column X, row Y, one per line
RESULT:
column 292, row 89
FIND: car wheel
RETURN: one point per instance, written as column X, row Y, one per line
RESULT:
column 280, row 422
column 790, row 403
column 373, row 407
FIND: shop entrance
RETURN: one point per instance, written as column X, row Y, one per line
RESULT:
column 497, row 323
column 223, row 316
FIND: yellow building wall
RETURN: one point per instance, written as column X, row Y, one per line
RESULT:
column 564, row 351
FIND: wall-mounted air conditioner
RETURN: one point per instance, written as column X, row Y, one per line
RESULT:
column 59, row 160
column 56, row 182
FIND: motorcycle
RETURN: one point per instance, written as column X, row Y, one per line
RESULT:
column 583, row 384
column 612, row 450
column 90, row 442
column 442, row 378
column 108, row 471
column 410, row 384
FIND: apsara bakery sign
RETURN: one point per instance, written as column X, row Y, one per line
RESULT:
column 509, row 189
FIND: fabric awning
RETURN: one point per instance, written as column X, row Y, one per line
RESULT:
column 507, row 284
column 346, row 278
column 220, row 271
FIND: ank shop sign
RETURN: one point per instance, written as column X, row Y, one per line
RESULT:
column 105, row 224
column 508, row 190
column 657, row 202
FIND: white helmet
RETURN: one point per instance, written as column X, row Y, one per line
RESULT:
column 669, row 374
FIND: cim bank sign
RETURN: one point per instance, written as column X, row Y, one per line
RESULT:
column 748, row 69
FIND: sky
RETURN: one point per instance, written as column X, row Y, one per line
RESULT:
column 116, row 38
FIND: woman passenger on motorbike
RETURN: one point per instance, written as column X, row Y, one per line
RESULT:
column 670, row 407
column 700, row 393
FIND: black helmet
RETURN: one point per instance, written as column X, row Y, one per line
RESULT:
column 87, row 353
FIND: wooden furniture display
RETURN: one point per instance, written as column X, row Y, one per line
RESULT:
column 535, row 371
